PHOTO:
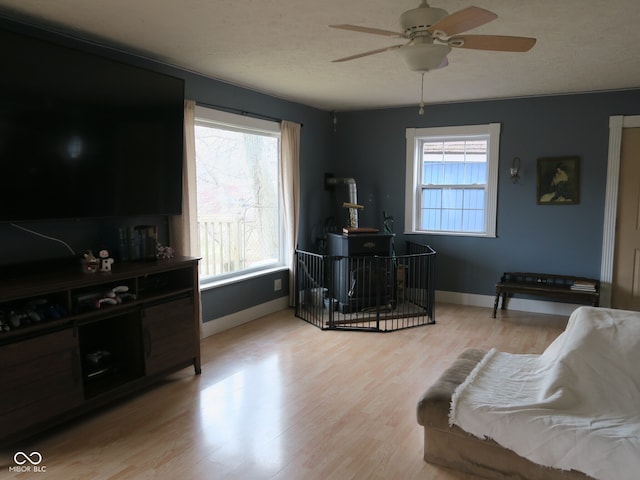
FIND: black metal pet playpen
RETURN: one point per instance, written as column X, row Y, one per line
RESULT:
column 373, row 293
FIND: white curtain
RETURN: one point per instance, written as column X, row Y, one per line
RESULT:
column 184, row 228
column 290, row 179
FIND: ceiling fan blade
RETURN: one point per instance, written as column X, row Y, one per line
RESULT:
column 365, row 54
column 461, row 21
column 498, row 43
column 375, row 31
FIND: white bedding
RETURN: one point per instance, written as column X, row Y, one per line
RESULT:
column 575, row 406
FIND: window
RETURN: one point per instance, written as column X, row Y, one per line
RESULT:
column 452, row 180
column 238, row 194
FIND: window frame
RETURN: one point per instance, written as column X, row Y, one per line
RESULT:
column 209, row 116
column 413, row 187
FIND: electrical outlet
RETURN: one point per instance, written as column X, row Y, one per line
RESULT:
column 277, row 284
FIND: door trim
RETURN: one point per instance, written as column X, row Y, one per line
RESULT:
column 616, row 124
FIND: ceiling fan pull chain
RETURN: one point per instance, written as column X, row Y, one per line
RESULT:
column 421, row 111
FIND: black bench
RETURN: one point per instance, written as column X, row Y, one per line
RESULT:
column 560, row 287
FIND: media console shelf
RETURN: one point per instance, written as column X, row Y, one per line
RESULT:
column 72, row 352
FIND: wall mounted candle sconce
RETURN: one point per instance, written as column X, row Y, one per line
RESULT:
column 515, row 169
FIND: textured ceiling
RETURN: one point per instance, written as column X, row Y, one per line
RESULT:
column 285, row 47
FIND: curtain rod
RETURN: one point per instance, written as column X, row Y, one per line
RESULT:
column 242, row 112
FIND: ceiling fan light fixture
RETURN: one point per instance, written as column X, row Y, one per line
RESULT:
column 432, row 33
column 421, row 18
column 422, row 57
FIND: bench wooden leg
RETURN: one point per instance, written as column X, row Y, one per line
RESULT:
column 495, row 304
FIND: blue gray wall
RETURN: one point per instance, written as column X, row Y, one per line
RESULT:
column 370, row 146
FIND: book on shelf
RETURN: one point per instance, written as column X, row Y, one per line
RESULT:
column 355, row 230
column 584, row 286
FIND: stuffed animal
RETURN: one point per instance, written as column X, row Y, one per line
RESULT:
column 164, row 252
column 105, row 261
column 90, row 263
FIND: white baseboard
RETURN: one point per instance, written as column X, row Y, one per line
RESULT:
column 244, row 316
column 519, row 304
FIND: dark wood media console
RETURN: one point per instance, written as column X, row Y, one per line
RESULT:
column 82, row 353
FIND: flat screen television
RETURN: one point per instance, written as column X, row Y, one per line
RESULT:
column 85, row 136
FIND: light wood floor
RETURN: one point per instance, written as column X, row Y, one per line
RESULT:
column 281, row 399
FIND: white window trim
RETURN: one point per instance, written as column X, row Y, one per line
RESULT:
column 412, row 207
column 233, row 121
column 245, row 124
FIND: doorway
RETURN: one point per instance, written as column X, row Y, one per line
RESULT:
column 625, row 292
column 617, row 123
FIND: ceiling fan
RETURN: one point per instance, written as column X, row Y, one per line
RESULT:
column 432, row 33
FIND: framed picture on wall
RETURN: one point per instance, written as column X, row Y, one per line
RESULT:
column 558, row 181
